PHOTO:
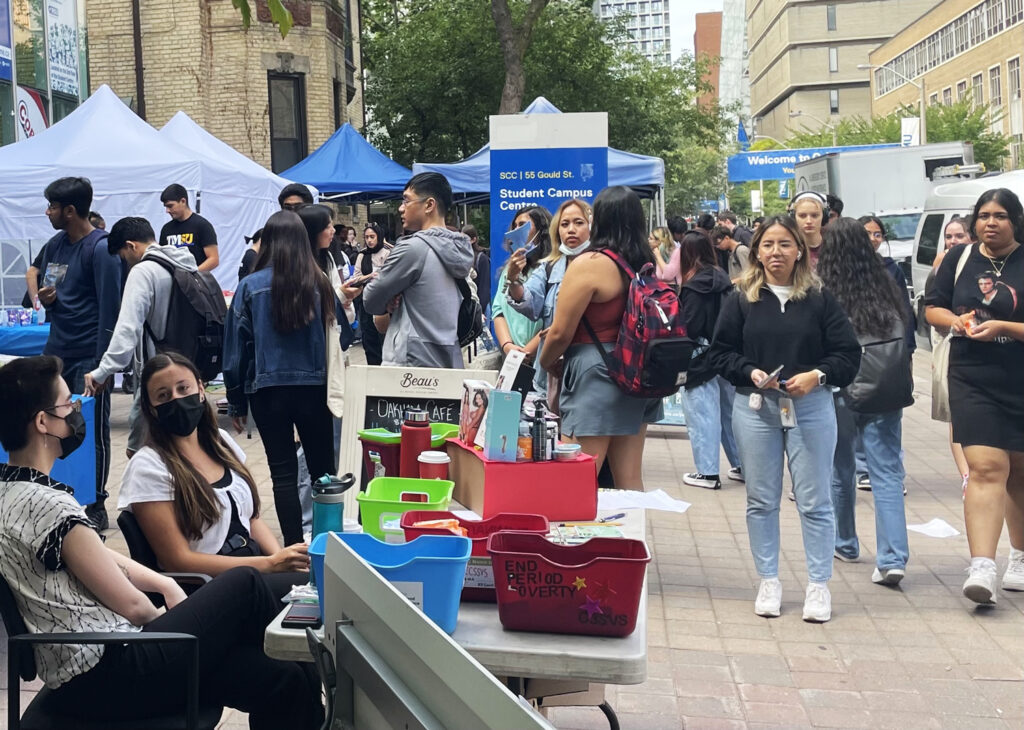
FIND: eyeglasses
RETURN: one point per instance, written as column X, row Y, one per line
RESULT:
column 410, row 201
column 75, row 405
column 877, row 234
column 53, row 206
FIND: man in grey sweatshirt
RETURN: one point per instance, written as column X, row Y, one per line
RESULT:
column 415, row 294
column 147, row 294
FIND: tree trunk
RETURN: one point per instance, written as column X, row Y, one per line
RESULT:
column 514, row 40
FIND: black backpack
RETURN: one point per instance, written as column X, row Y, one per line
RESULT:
column 885, row 379
column 471, row 315
column 195, row 319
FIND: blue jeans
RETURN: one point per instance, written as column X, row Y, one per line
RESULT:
column 708, row 409
column 74, row 375
column 764, row 447
column 882, row 435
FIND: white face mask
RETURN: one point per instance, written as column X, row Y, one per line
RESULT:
column 573, row 251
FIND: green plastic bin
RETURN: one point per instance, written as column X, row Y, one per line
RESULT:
column 382, row 502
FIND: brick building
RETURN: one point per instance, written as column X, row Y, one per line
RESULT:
column 961, row 49
column 707, row 41
column 272, row 99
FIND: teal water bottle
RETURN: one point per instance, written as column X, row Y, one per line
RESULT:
column 329, row 503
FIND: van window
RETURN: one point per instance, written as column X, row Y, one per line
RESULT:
column 931, row 234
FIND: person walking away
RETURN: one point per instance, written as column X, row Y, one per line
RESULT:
column 275, row 357
column 188, row 230
column 810, row 211
column 707, row 397
column 956, row 232
column 415, row 298
column 481, row 267
column 986, row 392
column 536, row 299
column 368, row 263
column 65, row 580
column 82, row 298
column 513, row 330
column 780, row 316
column 738, row 260
column 879, row 310
column 606, row 422
column 147, row 295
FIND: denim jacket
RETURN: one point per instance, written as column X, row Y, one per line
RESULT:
column 258, row 356
column 539, row 295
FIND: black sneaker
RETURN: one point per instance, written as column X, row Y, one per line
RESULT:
column 705, row 481
column 736, row 474
column 97, row 514
column 864, row 483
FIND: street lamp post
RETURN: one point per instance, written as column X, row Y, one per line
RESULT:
column 783, row 145
column 830, row 125
column 919, row 86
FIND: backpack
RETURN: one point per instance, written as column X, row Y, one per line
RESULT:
column 195, row 319
column 652, row 352
column 885, row 379
column 471, row 314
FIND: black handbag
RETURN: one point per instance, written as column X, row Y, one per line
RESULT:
column 885, row 380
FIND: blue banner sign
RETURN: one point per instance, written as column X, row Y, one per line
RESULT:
column 544, row 177
column 780, row 164
column 5, row 40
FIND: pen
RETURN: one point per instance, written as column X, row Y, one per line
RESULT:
column 609, row 518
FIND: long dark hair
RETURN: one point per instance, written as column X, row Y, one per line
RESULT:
column 316, row 219
column 195, row 504
column 856, row 276
column 541, row 219
column 297, row 282
column 1009, row 200
column 366, row 262
column 695, row 252
column 619, row 225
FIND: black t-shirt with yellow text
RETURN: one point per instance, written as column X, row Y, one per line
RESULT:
column 194, row 233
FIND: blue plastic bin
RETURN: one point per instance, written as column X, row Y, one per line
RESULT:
column 429, row 571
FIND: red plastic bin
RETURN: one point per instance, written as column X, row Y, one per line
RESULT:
column 593, row 588
column 479, row 585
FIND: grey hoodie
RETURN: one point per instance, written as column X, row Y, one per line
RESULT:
column 422, row 268
column 147, row 292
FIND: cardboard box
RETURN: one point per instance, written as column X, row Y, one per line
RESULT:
column 559, row 490
column 502, row 426
column 475, row 395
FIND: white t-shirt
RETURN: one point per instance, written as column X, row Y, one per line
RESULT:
column 147, row 479
column 36, row 514
column 783, row 293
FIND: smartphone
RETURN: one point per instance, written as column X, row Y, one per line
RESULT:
column 301, row 616
column 358, row 281
column 770, row 377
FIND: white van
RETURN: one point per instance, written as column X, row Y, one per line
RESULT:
column 946, row 200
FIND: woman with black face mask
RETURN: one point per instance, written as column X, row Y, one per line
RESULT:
column 66, row 580
column 193, row 498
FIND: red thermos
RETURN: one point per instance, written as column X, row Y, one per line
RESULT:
column 415, row 439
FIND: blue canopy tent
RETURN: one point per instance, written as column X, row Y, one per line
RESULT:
column 347, row 167
column 471, row 178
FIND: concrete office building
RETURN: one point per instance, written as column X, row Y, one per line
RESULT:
column 733, row 76
column 804, row 56
column 707, row 41
column 649, row 24
column 961, row 49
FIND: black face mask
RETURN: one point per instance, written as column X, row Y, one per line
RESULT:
column 76, row 422
column 181, row 416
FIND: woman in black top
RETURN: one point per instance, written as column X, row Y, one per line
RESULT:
column 979, row 301
column 248, row 264
column 780, row 317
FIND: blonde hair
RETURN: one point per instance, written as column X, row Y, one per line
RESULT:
column 556, row 241
column 753, row 279
column 665, row 243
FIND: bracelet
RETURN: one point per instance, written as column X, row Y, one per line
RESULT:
column 505, row 343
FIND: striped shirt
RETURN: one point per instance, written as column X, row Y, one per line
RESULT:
column 36, row 513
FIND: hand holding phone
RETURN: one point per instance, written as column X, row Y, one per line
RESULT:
column 768, row 378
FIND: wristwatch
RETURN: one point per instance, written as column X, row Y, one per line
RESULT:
column 821, row 377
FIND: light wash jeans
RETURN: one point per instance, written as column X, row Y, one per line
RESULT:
column 764, row 447
column 708, row 410
column 882, row 436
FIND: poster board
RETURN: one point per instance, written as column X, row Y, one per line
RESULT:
column 375, row 396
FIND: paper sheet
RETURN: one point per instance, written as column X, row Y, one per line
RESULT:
column 935, row 528
column 628, row 499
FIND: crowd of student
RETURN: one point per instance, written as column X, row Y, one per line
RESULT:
column 802, row 333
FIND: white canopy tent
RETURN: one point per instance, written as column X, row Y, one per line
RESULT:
column 129, row 163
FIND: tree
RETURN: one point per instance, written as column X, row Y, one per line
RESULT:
column 279, row 14
column 515, row 40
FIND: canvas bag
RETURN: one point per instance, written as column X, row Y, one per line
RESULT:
column 940, row 360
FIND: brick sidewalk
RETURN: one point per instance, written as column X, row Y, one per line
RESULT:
column 919, row 656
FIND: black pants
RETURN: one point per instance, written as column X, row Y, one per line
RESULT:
column 74, row 375
column 278, row 412
column 228, row 616
column 373, row 341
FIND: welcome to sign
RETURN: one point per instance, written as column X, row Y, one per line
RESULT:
column 781, row 164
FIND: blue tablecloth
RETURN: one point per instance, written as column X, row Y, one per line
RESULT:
column 24, row 341
column 78, row 471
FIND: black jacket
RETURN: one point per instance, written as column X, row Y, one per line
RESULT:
column 813, row 333
column 900, row 278
column 701, row 300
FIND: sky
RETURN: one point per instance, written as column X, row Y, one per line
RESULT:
column 682, row 14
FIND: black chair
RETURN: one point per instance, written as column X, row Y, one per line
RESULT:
column 44, row 713
column 140, row 551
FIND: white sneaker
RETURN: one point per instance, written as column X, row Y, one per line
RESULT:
column 845, row 558
column 817, row 603
column 769, row 598
column 980, row 585
column 1013, row 578
column 736, row 474
column 890, row 577
column 705, row 481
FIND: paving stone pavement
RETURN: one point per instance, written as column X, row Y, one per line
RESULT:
column 917, row 656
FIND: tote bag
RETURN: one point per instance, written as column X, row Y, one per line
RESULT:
column 940, row 360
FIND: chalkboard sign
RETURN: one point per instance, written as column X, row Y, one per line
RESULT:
column 376, row 396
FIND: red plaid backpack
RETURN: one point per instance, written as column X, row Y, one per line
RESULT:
column 652, row 352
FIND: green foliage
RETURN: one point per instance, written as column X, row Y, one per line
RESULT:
column 279, row 14
column 435, row 74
